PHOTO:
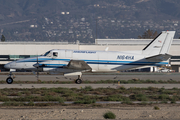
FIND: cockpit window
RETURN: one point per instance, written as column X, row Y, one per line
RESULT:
column 48, row 54
column 55, row 54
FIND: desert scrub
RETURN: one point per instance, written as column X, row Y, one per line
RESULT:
column 139, row 97
column 85, row 100
column 31, row 104
column 163, row 97
column 126, row 101
column 61, row 100
column 88, row 88
column 109, row 115
column 116, row 97
column 156, row 108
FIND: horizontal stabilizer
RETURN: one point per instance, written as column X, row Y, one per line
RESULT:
column 159, row 58
column 78, row 65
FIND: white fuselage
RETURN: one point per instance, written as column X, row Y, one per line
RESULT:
column 99, row 61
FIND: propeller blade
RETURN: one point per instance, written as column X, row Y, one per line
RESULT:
column 37, row 68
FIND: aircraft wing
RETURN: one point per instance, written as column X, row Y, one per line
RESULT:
column 78, row 65
column 158, row 58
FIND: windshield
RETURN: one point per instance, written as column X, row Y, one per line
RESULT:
column 48, row 54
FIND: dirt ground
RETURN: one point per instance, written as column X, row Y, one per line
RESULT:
column 166, row 111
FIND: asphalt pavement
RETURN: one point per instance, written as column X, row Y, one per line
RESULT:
column 92, row 77
column 80, row 86
column 95, row 77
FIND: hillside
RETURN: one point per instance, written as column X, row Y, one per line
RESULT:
column 71, row 20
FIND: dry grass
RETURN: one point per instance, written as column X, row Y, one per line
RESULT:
column 84, row 95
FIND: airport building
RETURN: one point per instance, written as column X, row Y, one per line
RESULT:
column 10, row 51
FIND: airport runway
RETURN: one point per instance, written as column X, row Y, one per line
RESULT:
column 95, row 77
column 79, row 86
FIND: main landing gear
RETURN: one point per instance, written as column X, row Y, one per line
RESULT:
column 78, row 81
column 9, row 80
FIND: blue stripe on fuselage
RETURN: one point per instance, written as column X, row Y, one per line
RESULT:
column 107, row 62
column 42, row 60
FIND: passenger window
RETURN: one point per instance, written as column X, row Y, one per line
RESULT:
column 55, row 54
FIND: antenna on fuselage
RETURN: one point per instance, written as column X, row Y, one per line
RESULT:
column 107, row 48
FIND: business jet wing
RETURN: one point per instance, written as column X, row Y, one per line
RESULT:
column 159, row 58
column 78, row 65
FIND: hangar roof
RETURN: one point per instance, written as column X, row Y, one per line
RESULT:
column 129, row 41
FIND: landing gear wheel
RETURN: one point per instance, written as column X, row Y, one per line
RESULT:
column 9, row 80
column 78, row 81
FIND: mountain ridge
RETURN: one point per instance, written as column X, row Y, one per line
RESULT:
column 62, row 20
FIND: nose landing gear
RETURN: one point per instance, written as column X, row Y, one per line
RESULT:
column 9, row 80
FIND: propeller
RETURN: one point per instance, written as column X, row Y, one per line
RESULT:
column 37, row 67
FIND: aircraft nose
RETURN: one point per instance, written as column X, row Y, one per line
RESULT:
column 7, row 66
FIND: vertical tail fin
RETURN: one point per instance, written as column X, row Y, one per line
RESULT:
column 160, row 45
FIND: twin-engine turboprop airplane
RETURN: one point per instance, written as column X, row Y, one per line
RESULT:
column 75, row 62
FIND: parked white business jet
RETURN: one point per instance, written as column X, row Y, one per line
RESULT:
column 75, row 62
